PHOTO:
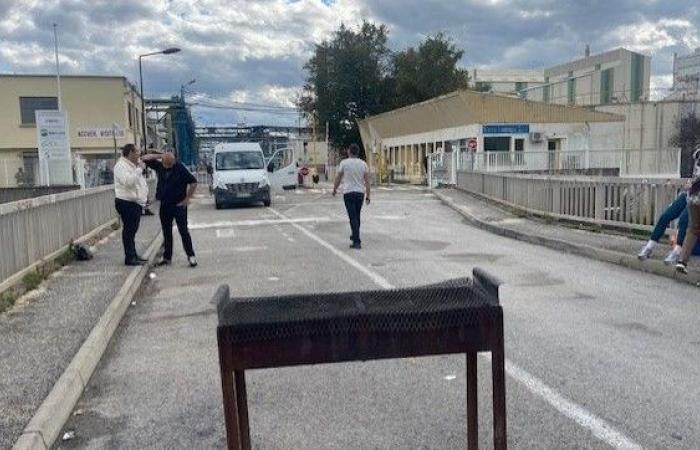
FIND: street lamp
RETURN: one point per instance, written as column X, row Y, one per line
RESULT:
column 167, row 51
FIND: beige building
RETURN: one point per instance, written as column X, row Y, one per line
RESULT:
column 482, row 123
column 94, row 105
column 506, row 81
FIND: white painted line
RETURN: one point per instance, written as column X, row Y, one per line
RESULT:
column 389, row 217
column 225, row 233
column 586, row 419
column 381, row 281
column 249, row 249
column 450, row 377
column 253, row 222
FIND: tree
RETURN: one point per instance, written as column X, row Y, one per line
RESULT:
column 347, row 80
column 688, row 139
column 428, row 71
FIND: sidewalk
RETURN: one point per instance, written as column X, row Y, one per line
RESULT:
column 613, row 248
column 45, row 329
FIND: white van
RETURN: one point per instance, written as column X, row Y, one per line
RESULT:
column 240, row 173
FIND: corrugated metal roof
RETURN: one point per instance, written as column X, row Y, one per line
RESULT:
column 465, row 107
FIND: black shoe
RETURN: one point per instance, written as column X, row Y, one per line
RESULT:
column 134, row 262
column 356, row 245
column 163, row 262
column 143, row 260
column 148, row 212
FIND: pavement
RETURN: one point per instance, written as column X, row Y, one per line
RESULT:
column 598, row 355
column 45, row 329
column 606, row 246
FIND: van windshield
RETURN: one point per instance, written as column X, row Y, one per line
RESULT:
column 239, row 160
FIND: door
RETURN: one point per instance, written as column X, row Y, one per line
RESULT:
column 553, row 147
column 282, row 169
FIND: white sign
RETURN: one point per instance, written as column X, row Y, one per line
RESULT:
column 101, row 133
column 54, row 147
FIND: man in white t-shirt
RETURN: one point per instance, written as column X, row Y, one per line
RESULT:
column 354, row 175
column 131, row 192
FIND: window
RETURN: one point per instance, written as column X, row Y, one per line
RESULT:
column 241, row 160
column 520, row 89
column 28, row 105
column 497, row 144
column 130, row 113
column 571, row 89
column 607, row 81
column 519, row 145
column 637, row 74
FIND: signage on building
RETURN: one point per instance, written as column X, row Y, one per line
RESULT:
column 506, row 128
column 53, row 147
column 100, row 133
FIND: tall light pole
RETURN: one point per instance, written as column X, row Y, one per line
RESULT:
column 167, row 51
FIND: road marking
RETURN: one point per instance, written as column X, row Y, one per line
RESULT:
column 225, row 233
column 586, row 419
column 239, row 223
column 249, row 249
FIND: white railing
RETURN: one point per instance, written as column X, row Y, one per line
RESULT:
column 627, row 162
column 33, row 229
column 626, row 202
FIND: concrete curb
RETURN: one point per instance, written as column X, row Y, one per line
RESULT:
column 621, row 259
column 54, row 412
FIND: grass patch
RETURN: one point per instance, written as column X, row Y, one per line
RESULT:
column 65, row 258
column 32, row 280
column 7, row 300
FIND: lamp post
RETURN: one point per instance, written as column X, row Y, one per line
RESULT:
column 167, row 51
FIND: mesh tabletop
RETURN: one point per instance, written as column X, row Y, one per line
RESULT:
column 450, row 304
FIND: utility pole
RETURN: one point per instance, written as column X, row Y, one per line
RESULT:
column 58, row 71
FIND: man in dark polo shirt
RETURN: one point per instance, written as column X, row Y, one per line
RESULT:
column 175, row 188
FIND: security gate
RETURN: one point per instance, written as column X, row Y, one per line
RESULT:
column 442, row 169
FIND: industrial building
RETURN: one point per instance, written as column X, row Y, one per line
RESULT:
column 686, row 76
column 95, row 106
column 472, row 122
column 506, row 81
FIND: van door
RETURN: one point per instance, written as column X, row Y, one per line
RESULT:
column 282, row 169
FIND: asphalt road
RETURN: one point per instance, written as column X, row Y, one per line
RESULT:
column 598, row 355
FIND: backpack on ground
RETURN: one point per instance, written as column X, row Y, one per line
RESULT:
column 80, row 251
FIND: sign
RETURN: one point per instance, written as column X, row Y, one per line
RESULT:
column 506, row 128
column 101, row 133
column 471, row 144
column 53, row 147
column 304, row 171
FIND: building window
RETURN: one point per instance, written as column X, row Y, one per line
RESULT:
column 130, row 113
column 571, row 89
column 519, row 145
column 28, row 105
column 520, row 89
column 607, row 81
column 637, row 75
column 497, row 144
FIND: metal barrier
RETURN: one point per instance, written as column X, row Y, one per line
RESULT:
column 36, row 228
column 627, row 202
column 629, row 162
column 442, row 168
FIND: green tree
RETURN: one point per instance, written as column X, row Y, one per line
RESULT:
column 347, row 80
column 429, row 71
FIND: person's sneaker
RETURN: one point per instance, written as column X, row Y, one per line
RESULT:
column 646, row 252
column 672, row 258
column 163, row 262
column 356, row 246
column 134, row 262
column 193, row 261
column 682, row 267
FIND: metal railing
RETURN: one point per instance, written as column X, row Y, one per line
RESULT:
column 626, row 202
column 36, row 228
column 627, row 162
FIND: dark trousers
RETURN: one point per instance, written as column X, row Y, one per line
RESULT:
column 353, row 204
column 130, row 213
column 179, row 213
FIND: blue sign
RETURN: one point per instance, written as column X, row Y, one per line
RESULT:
column 506, row 128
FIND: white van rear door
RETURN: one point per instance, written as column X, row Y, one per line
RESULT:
column 282, row 169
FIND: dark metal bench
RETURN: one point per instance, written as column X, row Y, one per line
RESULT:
column 457, row 316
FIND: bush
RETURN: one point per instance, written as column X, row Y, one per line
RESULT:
column 32, row 280
column 7, row 299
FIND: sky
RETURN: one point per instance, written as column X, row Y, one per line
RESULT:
column 253, row 51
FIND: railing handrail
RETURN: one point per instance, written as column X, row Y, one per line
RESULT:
column 678, row 182
column 11, row 207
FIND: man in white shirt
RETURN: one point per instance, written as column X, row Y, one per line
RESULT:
column 354, row 174
column 131, row 192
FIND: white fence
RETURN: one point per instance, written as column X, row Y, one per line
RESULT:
column 650, row 162
column 34, row 229
column 626, row 202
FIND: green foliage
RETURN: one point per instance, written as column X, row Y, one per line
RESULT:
column 32, row 280
column 65, row 258
column 354, row 75
column 7, row 299
column 428, row 71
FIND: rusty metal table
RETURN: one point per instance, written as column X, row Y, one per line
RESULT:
column 457, row 316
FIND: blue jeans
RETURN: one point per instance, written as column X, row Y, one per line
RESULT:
column 676, row 210
column 353, row 204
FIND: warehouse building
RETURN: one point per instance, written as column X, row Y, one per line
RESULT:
column 399, row 141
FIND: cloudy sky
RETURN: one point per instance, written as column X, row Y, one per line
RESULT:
column 253, row 50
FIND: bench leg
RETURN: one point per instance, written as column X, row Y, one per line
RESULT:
column 498, row 375
column 242, row 401
column 472, row 403
column 230, row 402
